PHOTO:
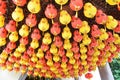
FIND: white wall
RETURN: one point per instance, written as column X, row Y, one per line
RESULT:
column 6, row 75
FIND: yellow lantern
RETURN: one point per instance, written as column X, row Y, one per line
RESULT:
column 61, row 2
column 53, row 49
column 111, row 22
column 47, row 38
column 69, row 53
column 2, row 41
column 17, row 14
column 2, row 19
column 13, row 36
column 34, row 6
column 66, row 34
column 34, row 44
column 24, row 31
column 65, row 17
column 89, row 10
column 43, row 25
column 40, row 53
column 67, row 45
column 85, row 28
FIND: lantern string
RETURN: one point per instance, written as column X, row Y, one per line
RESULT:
column 76, row 15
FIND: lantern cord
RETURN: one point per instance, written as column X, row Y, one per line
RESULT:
column 76, row 15
column 8, row 34
column 30, row 29
column 43, row 33
column 113, row 32
column 118, row 5
column 52, row 21
column 104, row 27
column 16, row 24
column 61, row 7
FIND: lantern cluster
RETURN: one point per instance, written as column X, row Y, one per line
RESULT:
column 68, row 48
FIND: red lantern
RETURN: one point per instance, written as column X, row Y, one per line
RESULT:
column 11, row 45
column 118, row 48
column 57, row 64
column 3, row 33
column 107, row 46
column 77, row 36
column 119, row 6
column 110, row 39
column 78, row 62
column 30, row 51
column 64, row 59
column 58, row 41
column 75, row 47
column 55, row 29
column 46, row 67
column 95, row 32
column 90, row 51
column 17, row 60
column 50, row 11
column 71, row 72
column 117, row 29
column 48, row 55
column 76, row 5
column 7, row 50
column 19, row 2
column 89, row 58
column 69, row 66
column 25, row 56
column 44, row 47
column 94, row 42
column 76, row 22
column 110, row 60
column 77, row 56
column 88, row 76
column 12, row 59
column 61, row 51
column 31, row 20
column 16, row 69
column 101, row 17
column 42, row 61
column 11, row 26
column 24, row 40
column 29, row 73
column 36, row 34
column 2, row 7
column 31, row 63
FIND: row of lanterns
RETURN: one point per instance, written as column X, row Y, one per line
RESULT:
column 90, row 47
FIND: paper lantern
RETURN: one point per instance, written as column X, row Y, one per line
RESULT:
column 68, row 46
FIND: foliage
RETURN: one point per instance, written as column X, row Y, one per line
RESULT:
column 115, row 67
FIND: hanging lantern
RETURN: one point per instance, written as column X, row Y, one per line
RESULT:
column 88, row 76
column 89, row 10
column 70, row 45
column 51, row 12
column 34, row 6
column 2, row 7
column 61, row 2
column 31, row 20
column 76, row 5
column 20, row 2
column 18, row 14
column 11, row 26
